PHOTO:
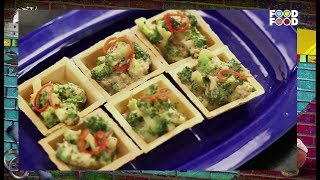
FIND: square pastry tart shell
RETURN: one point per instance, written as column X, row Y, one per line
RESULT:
column 61, row 72
column 118, row 106
column 126, row 149
column 224, row 54
column 213, row 41
column 86, row 60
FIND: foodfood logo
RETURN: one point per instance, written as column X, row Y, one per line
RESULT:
column 286, row 17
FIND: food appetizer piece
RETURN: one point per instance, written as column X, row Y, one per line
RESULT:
column 153, row 113
column 97, row 143
column 218, row 82
column 58, row 96
column 178, row 35
column 118, row 64
column 57, row 102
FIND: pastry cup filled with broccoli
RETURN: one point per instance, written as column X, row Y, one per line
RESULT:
column 57, row 97
column 96, row 143
column 154, row 112
column 177, row 35
column 217, row 82
column 118, row 63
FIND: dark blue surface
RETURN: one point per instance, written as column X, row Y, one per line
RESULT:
column 228, row 140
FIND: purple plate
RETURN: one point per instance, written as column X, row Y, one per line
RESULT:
column 227, row 141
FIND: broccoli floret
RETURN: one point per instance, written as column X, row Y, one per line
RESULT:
column 164, row 32
column 158, row 127
column 96, row 123
column 175, row 24
column 234, row 65
column 151, row 111
column 248, row 87
column 162, row 105
column 193, row 20
column 241, row 91
column 73, row 118
column 71, row 136
column 195, row 87
column 218, row 96
column 71, row 93
column 138, row 68
column 144, row 133
column 78, row 103
column 63, row 155
column 68, row 114
column 104, row 158
column 206, row 80
column 101, row 60
column 175, row 52
column 199, row 41
column 49, row 117
column 109, row 59
column 101, row 71
column 227, row 85
column 185, row 75
column 139, row 52
column 121, row 51
column 178, row 25
column 198, row 78
column 132, row 105
column 163, row 24
column 205, row 64
column 173, row 117
column 146, row 107
column 151, row 90
column 231, row 82
column 134, row 120
column 43, row 99
column 143, row 104
column 167, row 115
column 70, row 154
column 155, row 37
column 145, row 27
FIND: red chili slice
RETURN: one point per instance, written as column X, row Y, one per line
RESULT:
column 151, row 97
column 168, row 23
column 127, row 65
column 81, row 141
column 162, row 94
column 162, row 97
column 108, row 45
column 36, row 99
column 99, row 137
column 165, row 91
column 51, row 102
column 222, row 79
